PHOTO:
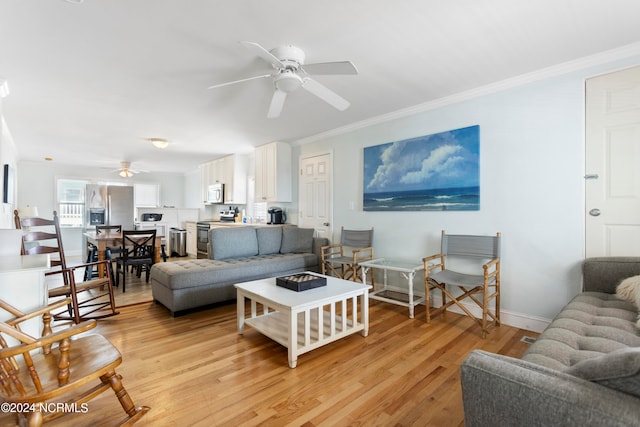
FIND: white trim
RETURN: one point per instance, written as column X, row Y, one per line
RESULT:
column 508, row 318
column 544, row 73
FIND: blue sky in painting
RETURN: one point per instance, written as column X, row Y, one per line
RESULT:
column 442, row 160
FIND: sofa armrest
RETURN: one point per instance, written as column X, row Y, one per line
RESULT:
column 603, row 274
column 318, row 243
column 499, row 390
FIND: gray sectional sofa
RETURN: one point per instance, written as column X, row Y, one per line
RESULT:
column 583, row 370
column 236, row 254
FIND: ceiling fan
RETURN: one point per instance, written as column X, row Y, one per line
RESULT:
column 291, row 73
column 125, row 170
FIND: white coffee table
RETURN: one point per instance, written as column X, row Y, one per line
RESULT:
column 303, row 321
column 407, row 269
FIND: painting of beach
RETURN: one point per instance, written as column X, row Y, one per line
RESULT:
column 439, row 172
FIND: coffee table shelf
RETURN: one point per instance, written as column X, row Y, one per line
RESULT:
column 304, row 321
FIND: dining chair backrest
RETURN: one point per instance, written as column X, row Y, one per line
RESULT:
column 42, row 236
column 138, row 244
column 108, row 228
column 10, row 241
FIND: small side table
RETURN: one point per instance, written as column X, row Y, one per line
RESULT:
column 408, row 271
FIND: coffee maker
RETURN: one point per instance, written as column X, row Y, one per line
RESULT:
column 276, row 216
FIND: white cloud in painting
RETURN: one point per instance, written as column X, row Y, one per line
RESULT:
column 442, row 161
column 438, row 161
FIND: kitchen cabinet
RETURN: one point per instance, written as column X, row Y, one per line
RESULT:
column 230, row 171
column 234, row 178
column 273, row 172
column 192, row 239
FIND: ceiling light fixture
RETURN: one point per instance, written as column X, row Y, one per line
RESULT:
column 125, row 173
column 158, row 142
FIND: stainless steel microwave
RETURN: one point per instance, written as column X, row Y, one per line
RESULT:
column 215, row 193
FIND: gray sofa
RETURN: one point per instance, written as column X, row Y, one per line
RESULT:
column 236, row 254
column 583, row 370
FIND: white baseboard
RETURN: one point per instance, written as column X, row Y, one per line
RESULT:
column 509, row 318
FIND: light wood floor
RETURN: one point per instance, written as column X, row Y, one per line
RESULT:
column 195, row 370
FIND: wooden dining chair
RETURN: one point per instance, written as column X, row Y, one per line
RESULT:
column 110, row 252
column 138, row 251
column 57, row 368
column 90, row 299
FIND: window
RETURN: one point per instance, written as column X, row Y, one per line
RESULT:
column 70, row 194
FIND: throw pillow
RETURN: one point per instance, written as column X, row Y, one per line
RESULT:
column 269, row 239
column 619, row 370
column 233, row 242
column 296, row 240
column 629, row 290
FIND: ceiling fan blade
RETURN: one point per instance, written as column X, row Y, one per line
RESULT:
column 238, row 81
column 277, row 102
column 264, row 54
column 326, row 94
column 341, row 67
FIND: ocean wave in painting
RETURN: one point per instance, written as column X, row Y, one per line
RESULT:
column 459, row 199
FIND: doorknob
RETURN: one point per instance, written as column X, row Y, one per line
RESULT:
column 326, row 224
column 594, row 212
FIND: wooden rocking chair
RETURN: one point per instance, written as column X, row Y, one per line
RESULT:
column 55, row 372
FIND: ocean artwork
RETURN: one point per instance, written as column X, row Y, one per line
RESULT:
column 439, row 172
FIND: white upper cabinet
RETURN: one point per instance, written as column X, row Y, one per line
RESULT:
column 230, row 171
column 273, row 172
column 234, row 177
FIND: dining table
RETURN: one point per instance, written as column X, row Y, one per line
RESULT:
column 113, row 239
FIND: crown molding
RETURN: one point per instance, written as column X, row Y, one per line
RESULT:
column 601, row 58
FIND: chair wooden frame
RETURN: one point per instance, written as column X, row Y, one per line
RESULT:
column 335, row 262
column 98, row 300
column 437, row 276
column 56, row 369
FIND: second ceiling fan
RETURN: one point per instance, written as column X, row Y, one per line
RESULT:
column 291, row 73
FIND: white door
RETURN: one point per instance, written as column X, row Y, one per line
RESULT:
column 315, row 194
column 613, row 164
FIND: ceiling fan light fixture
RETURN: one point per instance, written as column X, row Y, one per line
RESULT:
column 288, row 81
column 158, row 142
column 125, row 173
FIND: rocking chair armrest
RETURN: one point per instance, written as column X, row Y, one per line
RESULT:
column 88, row 264
column 68, row 332
column 29, row 343
column 21, row 316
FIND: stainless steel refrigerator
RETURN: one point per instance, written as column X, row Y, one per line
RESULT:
column 109, row 205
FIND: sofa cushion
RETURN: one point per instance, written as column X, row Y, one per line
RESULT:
column 592, row 324
column 296, row 240
column 233, row 242
column 201, row 272
column 619, row 370
column 269, row 239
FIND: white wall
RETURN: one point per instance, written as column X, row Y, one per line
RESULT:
column 8, row 156
column 531, row 177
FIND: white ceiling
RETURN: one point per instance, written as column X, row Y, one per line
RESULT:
column 90, row 81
